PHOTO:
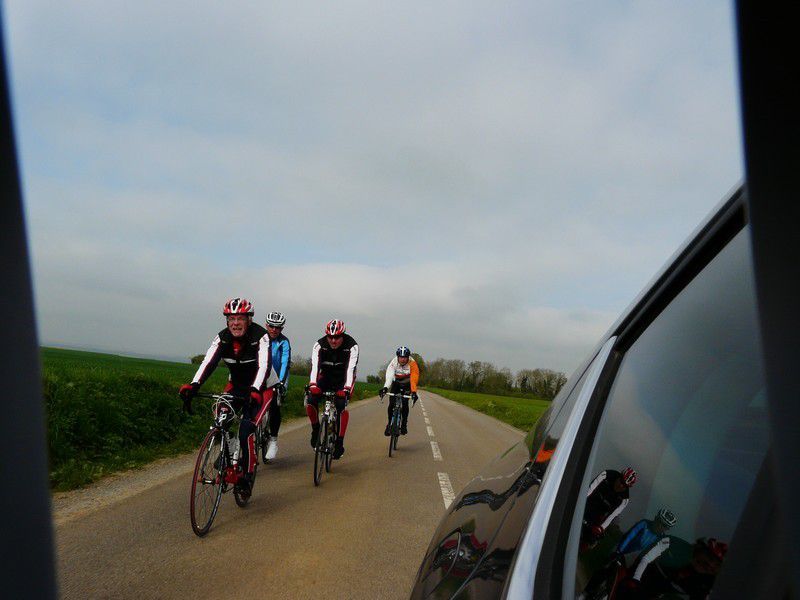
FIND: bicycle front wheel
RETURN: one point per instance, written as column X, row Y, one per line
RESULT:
column 333, row 435
column 394, row 432
column 207, row 482
column 321, row 450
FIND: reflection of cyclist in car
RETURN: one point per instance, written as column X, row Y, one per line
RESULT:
column 237, row 346
column 694, row 578
column 649, row 538
column 646, row 533
column 402, row 376
column 333, row 368
column 607, row 498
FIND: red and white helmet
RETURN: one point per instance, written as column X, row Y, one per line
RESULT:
column 715, row 547
column 628, row 476
column 238, row 306
column 334, row 327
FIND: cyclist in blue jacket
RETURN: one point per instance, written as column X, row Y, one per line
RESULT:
column 281, row 354
column 646, row 533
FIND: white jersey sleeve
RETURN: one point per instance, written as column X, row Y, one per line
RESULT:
column 314, row 363
column 266, row 374
column 209, row 363
column 390, row 373
column 350, row 379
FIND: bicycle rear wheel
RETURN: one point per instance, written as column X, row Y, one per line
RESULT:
column 207, row 482
column 320, row 450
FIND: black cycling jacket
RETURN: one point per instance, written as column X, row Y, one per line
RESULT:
column 334, row 369
column 240, row 355
column 604, row 504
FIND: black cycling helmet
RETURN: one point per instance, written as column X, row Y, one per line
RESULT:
column 403, row 351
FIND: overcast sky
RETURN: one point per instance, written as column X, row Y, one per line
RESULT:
column 491, row 181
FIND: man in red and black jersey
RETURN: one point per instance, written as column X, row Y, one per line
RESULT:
column 333, row 368
column 237, row 346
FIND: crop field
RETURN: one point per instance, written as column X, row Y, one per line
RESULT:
column 106, row 413
column 521, row 413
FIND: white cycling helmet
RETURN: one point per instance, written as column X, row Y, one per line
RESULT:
column 276, row 319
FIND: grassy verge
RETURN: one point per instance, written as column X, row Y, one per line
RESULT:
column 106, row 413
column 521, row 413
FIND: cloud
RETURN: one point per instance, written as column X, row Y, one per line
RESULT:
column 481, row 182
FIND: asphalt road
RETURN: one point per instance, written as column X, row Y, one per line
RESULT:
column 360, row 534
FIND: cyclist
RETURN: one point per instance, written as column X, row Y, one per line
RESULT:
column 693, row 577
column 333, row 368
column 237, row 346
column 649, row 538
column 607, row 498
column 402, row 375
column 646, row 533
column 277, row 346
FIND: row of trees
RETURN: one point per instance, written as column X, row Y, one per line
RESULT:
column 481, row 376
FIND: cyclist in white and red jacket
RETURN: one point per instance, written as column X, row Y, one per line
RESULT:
column 237, row 346
column 333, row 368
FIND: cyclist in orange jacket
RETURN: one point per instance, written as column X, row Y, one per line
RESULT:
column 402, row 376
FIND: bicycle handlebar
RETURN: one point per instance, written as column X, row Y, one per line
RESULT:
column 223, row 396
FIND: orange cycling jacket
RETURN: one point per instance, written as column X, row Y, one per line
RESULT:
column 401, row 373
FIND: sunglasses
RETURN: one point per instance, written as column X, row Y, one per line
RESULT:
column 334, row 337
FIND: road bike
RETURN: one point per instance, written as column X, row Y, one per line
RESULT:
column 326, row 440
column 216, row 470
column 396, row 420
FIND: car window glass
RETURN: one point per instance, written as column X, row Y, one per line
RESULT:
column 681, row 440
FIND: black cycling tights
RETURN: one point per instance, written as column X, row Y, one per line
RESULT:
column 403, row 410
column 275, row 416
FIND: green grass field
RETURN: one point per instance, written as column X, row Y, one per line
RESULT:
column 106, row 413
column 522, row 413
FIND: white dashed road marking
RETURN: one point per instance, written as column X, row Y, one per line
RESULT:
column 447, row 489
column 427, row 421
column 430, row 431
column 437, row 454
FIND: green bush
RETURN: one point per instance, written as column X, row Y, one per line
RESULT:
column 106, row 412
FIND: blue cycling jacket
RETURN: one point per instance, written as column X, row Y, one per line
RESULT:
column 639, row 537
column 281, row 357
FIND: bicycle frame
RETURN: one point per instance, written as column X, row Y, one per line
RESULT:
column 396, row 399
column 215, row 476
column 329, row 433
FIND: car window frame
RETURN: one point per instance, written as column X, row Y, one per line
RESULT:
column 551, row 573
